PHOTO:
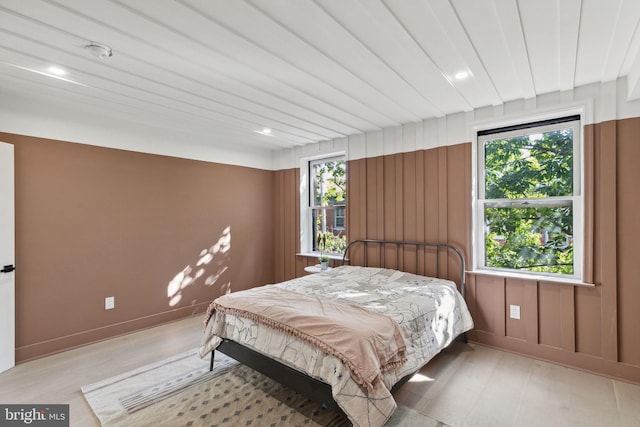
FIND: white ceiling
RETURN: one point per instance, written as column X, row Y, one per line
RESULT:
column 308, row 70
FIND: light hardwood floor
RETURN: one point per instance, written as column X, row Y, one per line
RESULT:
column 467, row 385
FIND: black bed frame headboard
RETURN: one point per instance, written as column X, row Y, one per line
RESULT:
column 398, row 244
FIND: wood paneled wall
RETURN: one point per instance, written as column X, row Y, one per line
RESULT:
column 287, row 224
column 426, row 195
column 628, row 240
column 408, row 196
column 415, row 196
column 591, row 328
column 289, row 264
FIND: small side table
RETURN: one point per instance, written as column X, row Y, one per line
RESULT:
column 315, row 269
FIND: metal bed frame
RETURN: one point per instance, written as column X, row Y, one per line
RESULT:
column 382, row 244
column 315, row 389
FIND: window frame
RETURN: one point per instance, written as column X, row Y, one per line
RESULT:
column 530, row 127
column 337, row 209
column 307, row 244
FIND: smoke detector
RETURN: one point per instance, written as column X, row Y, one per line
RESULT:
column 99, row 50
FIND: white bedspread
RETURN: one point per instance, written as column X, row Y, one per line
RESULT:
column 430, row 312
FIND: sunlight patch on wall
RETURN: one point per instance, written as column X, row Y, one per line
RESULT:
column 188, row 276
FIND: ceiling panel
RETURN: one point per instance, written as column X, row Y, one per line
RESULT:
column 542, row 38
column 396, row 51
column 596, row 36
column 569, row 12
column 606, row 35
column 452, row 54
column 308, row 70
column 523, row 86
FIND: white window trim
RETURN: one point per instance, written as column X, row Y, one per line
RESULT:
column 577, row 199
column 336, row 216
column 306, row 240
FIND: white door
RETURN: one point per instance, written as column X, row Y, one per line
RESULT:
column 7, row 253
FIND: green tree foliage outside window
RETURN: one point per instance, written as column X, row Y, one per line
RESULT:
column 528, row 211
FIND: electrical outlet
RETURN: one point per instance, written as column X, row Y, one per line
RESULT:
column 109, row 303
column 514, row 311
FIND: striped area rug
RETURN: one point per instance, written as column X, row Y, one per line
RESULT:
column 180, row 391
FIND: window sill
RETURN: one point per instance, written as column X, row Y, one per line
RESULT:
column 535, row 277
column 317, row 255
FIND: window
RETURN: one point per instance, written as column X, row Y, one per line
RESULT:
column 529, row 205
column 327, row 203
column 339, row 217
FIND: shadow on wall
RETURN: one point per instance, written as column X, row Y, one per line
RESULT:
column 217, row 256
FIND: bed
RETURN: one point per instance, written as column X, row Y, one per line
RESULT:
column 415, row 317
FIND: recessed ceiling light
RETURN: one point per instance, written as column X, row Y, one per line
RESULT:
column 461, row 75
column 43, row 73
column 264, row 131
column 57, row 70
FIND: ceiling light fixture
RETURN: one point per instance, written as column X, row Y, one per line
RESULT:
column 99, row 50
column 461, row 75
column 264, row 131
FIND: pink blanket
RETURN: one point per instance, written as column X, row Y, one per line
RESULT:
column 367, row 343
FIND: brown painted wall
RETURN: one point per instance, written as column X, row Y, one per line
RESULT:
column 94, row 222
column 426, row 195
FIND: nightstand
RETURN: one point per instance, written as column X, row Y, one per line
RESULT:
column 315, row 268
